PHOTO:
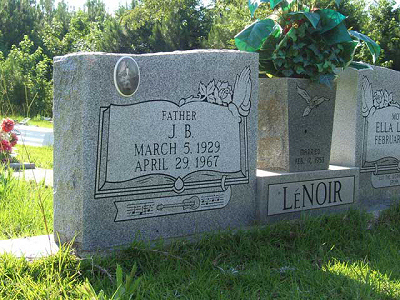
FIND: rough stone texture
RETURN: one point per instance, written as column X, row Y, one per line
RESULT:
column 366, row 131
column 109, row 192
column 295, row 125
column 288, row 195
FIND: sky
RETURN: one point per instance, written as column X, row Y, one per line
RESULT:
column 111, row 5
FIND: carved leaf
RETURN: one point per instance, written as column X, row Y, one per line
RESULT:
column 210, row 87
column 367, row 98
column 307, row 111
column 318, row 100
column 303, row 94
column 202, row 91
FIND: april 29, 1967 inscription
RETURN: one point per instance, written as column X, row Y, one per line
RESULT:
column 177, row 141
column 184, row 154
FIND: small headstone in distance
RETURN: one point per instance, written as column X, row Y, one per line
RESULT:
column 22, row 166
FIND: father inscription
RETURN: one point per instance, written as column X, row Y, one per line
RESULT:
column 173, row 156
column 181, row 149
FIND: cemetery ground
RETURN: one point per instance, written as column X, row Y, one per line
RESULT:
column 345, row 256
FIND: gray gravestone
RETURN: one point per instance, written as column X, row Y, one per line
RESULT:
column 153, row 146
column 367, row 130
column 295, row 125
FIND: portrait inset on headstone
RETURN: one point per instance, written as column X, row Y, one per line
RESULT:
column 126, row 76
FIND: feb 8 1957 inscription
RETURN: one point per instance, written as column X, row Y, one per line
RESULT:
column 175, row 155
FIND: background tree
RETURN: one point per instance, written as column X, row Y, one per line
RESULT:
column 384, row 27
column 25, row 80
column 17, row 18
column 168, row 25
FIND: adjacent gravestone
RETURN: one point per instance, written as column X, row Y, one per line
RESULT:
column 295, row 124
column 153, row 146
column 367, row 130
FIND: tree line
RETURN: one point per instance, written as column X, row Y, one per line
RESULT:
column 33, row 32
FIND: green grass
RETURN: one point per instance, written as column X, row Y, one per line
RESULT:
column 41, row 156
column 343, row 256
column 36, row 121
column 19, row 207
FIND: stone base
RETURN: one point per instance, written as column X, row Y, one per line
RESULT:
column 22, row 166
column 287, row 195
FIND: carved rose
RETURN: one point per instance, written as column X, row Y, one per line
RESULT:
column 223, row 93
column 382, row 98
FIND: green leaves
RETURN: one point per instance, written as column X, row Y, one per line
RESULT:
column 347, row 51
column 372, row 46
column 329, row 19
column 360, row 66
column 337, row 35
column 252, row 38
column 302, row 42
column 253, row 4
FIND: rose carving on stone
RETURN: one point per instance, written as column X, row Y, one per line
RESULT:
column 371, row 101
column 221, row 93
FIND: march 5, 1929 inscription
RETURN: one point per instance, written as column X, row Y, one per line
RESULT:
column 381, row 140
column 168, row 156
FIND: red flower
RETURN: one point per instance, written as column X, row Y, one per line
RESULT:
column 7, row 125
column 5, row 146
column 14, row 139
column 287, row 28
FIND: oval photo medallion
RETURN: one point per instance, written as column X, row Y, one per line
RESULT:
column 126, row 76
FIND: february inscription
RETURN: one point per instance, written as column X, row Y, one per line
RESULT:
column 381, row 136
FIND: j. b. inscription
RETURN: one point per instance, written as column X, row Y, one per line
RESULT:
column 168, row 157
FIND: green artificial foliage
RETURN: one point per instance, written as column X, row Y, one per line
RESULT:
column 302, row 40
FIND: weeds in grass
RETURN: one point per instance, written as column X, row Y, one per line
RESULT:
column 35, row 121
column 328, row 257
column 19, row 200
column 42, row 157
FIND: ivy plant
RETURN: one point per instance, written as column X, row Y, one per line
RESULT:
column 303, row 41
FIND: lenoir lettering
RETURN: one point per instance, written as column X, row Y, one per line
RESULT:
column 176, row 115
column 314, row 195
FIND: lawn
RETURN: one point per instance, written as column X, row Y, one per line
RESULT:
column 344, row 256
column 42, row 157
column 350, row 255
column 35, row 121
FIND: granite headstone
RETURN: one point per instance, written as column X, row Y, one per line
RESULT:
column 153, row 146
column 295, row 125
column 367, row 131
